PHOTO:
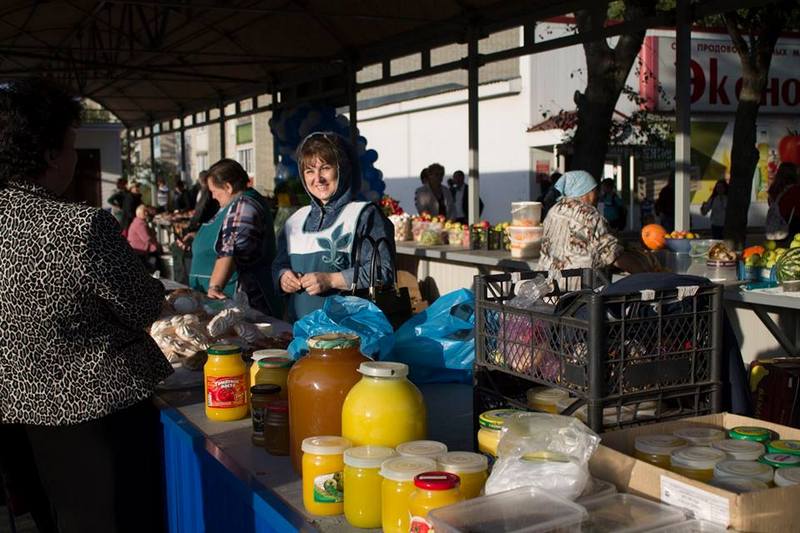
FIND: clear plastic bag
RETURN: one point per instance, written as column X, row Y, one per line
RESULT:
column 546, row 451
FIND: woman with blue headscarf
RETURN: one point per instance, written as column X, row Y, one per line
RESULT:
column 575, row 233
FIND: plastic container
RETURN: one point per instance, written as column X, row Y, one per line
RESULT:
column 323, row 465
column 260, row 398
column 362, row 465
column 525, row 250
column 742, row 450
column 525, row 235
column 526, row 213
column 657, row 449
column 696, row 462
column 276, row 428
column 743, row 469
column 792, row 447
column 225, row 383
column 422, row 448
column 700, row 436
column 780, row 460
column 739, row 484
column 787, row 477
column 274, row 370
column 758, row 434
column 625, row 513
column 471, row 468
column 432, row 490
column 384, row 408
column 522, row 510
column 597, row 488
column 318, row 384
column 691, row 526
column 546, row 399
column 491, row 423
column 397, row 485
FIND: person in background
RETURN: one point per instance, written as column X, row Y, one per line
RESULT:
column 432, row 198
column 613, row 209
column 459, row 190
column 79, row 367
column 161, row 195
column 143, row 240
column 204, row 210
column 181, row 198
column 647, row 212
column 423, row 197
column 665, row 205
column 550, row 196
column 135, row 200
column 117, row 202
column 717, row 203
column 321, row 244
column 785, row 190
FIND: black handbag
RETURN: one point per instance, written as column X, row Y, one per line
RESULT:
column 394, row 301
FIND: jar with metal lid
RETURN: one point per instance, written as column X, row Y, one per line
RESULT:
column 780, row 460
column 276, row 428
column 260, row 397
column 432, row 491
column 792, row 447
column 700, row 436
column 743, row 469
column 362, row 465
column 274, row 370
column 741, row 450
column 696, row 462
column 397, row 485
column 787, row 477
column 472, row 468
column 758, row 434
column 422, row 448
column 491, row 423
column 657, row 449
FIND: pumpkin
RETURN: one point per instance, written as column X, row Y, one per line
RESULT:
column 654, row 236
column 752, row 250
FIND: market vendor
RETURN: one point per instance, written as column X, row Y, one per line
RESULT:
column 318, row 247
column 235, row 249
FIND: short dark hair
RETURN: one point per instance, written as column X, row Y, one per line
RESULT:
column 458, row 173
column 436, row 169
column 229, row 171
column 35, row 116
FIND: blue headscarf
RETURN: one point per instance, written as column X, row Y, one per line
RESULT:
column 575, row 183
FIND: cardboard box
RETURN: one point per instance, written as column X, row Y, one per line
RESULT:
column 771, row 510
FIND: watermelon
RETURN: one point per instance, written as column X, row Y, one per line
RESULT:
column 788, row 266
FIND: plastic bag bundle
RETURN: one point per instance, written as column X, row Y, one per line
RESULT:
column 550, row 452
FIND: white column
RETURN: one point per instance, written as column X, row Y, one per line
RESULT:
column 472, row 109
column 683, row 128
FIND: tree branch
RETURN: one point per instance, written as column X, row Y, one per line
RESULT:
column 732, row 21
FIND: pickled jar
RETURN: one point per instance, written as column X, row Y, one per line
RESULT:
column 780, row 460
column 318, row 384
column 256, row 357
column 260, row 397
column 362, row 479
column 397, row 485
column 225, row 383
column 792, row 447
column 756, row 433
column 696, row 462
column 491, row 423
column 787, row 477
column 545, row 399
column 384, row 408
column 741, row 450
column 276, row 428
column 743, row 469
column 657, row 449
column 432, row 490
column 471, row 468
column 422, row 448
column 700, row 436
column 274, row 371
column 323, row 465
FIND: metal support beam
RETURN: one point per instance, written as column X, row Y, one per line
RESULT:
column 182, row 134
column 152, row 159
column 472, row 111
column 683, row 127
column 352, row 97
column 222, row 130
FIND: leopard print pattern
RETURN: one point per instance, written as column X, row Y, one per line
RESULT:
column 75, row 306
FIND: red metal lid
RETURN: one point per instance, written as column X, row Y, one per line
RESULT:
column 278, row 406
column 437, row 481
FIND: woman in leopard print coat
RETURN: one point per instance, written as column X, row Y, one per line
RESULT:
column 77, row 368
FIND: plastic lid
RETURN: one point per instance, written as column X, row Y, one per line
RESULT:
column 463, row 462
column 334, row 341
column 269, row 352
column 368, row 456
column 792, row 447
column 785, row 477
column 546, row 395
column 750, row 433
column 224, row 349
column 405, row 468
column 422, row 448
column 275, row 362
column 739, row 484
column 375, row 369
column 748, row 469
column 700, row 436
column 740, row 449
column 780, row 460
column 436, row 481
column 265, row 388
column 327, row 445
column 278, row 406
column 496, row 419
column 659, row 444
column 626, row 512
column 697, row 457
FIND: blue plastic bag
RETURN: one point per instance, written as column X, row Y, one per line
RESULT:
column 347, row 314
column 438, row 344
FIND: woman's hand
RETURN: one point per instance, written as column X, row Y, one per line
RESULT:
column 215, row 293
column 290, row 282
column 319, row 282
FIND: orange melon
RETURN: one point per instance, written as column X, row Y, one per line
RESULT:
column 654, row 236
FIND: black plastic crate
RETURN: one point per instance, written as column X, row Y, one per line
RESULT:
column 604, row 349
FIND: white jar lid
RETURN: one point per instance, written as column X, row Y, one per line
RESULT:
column 748, row 469
column 785, row 477
column 368, row 456
column 405, row 468
column 463, row 462
column 376, row 369
column 546, row 395
column 699, row 436
column 659, row 444
column 697, row 457
column 326, row 445
column 269, row 352
column 743, row 450
column 739, row 484
column 422, row 448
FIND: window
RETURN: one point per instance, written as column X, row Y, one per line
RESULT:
column 202, row 161
column 246, row 159
column 244, row 133
column 157, row 146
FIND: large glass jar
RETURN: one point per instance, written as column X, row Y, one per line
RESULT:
column 384, row 408
column 225, row 383
column 318, row 384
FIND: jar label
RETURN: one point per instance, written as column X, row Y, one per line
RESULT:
column 226, row 392
column 258, row 416
column 328, row 488
column 420, row 525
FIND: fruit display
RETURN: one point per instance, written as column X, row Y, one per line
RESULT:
column 402, row 227
column 680, row 235
column 787, row 267
column 768, row 255
column 654, row 236
column 390, row 206
column 455, row 233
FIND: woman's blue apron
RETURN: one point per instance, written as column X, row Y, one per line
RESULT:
column 204, row 256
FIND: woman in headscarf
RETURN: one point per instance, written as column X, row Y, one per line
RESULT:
column 575, row 233
column 318, row 248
